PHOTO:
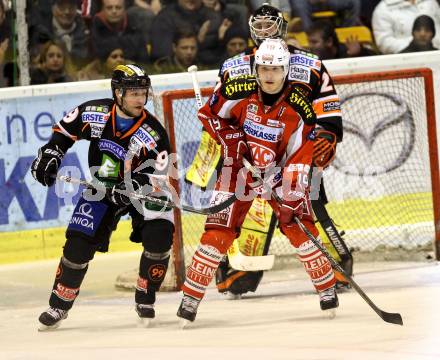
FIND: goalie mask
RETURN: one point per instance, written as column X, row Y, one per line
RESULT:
column 274, row 53
column 126, row 77
column 267, row 23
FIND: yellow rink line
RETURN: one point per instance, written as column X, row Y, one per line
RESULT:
column 30, row 245
column 387, row 211
column 352, row 214
column 41, row 244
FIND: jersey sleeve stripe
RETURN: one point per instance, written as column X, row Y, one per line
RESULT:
column 327, row 106
column 225, row 110
column 63, row 131
column 295, row 141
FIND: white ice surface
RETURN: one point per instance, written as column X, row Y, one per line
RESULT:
column 282, row 320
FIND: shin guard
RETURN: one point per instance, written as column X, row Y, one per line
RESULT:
column 203, row 267
column 68, row 280
column 317, row 266
column 152, row 270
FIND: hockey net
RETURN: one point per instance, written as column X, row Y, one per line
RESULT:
column 381, row 184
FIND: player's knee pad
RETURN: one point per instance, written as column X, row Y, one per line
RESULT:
column 68, row 279
column 79, row 249
column 155, row 235
column 220, row 239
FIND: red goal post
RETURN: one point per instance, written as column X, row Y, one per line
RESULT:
column 384, row 184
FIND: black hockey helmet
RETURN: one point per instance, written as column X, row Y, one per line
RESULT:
column 267, row 22
column 130, row 76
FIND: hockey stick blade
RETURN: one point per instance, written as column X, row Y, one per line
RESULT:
column 392, row 318
column 152, row 200
column 241, row 262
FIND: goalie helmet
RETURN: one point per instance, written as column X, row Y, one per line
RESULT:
column 272, row 52
column 267, row 22
column 129, row 77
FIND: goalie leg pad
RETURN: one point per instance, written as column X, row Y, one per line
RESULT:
column 205, row 262
column 237, row 282
column 68, row 279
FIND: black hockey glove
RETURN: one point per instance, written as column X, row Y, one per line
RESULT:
column 45, row 166
column 116, row 197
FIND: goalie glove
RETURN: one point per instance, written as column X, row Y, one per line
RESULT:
column 324, row 148
column 45, row 166
column 232, row 141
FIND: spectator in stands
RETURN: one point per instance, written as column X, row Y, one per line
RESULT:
column 5, row 23
column 323, row 41
column 367, row 8
column 11, row 74
column 113, row 24
column 392, row 22
column 233, row 16
column 193, row 14
column 102, row 68
column 53, row 64
column 423, row 32
column 348, row 10
column 66, row 25
column 236, row 13
column 184, row 53
column 143, row 12
column 235, row 42
column 5, row 33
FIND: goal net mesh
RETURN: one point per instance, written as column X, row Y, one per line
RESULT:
column 379, row 185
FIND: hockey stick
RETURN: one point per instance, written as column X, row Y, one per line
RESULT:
column 237, row 259
column 193, row 71
column 333, row 235
column 241, row 262
column 393, row 318
column 156, row 201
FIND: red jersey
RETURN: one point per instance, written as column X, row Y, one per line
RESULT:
column 276, row 135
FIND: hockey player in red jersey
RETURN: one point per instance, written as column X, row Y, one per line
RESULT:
column 270, row 121
column 130, row 149
column 306, row 71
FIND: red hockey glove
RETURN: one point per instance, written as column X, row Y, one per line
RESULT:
column 324, row 148
column 289, row 209
column 232, row 141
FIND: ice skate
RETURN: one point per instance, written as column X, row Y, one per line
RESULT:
column 328, row 300
column 146, row 314
column 187, row 310
column 51, row 319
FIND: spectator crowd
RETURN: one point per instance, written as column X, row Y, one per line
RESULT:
column 73, row 40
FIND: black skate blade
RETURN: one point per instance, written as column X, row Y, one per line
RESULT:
column 392, row 318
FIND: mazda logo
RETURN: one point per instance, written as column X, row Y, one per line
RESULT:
column 382, row 138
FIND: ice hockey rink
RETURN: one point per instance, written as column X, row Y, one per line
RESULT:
column 282, row 320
